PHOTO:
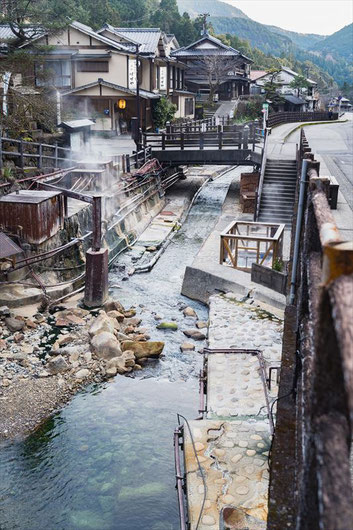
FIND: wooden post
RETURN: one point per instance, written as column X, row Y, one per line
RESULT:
column 163, row 141
column 56, row 155
column 220, row 137
column 21, row 155
column 40, row 156
column 97, row 223
column 128, row 165
column 202, row 140
column 182, row 141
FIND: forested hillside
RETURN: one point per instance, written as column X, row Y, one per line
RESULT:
column 340, row 43
column 266, row 47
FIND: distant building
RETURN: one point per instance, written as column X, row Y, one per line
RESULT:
column 307, row 100
column 201, row 58
column 339, row 104
column 95, row 73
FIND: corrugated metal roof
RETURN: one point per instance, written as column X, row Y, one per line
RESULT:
column 76, row 124
column 8, row 247
column 29, row 196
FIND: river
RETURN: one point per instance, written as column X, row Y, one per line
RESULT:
column 106, row 460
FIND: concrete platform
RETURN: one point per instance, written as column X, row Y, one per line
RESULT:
column 207, row 276
column 232, row 443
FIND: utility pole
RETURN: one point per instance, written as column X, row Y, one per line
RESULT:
column 204, row 26
column 138, row 143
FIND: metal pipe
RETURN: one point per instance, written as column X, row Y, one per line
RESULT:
column 300, row 212
column 179, row 478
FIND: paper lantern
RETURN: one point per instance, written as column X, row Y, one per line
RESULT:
column 122, row 103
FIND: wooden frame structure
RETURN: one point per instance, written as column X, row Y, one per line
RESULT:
column 243, row 243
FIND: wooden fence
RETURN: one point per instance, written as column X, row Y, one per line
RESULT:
column 45, row 155
column 240, row 137
column 279, row 118
column 311, row 482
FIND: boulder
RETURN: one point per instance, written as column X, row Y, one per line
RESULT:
column 13, row 324
column 82, row 374
column 65, row 339
column 133, row 321
column 105, row 345
column 143, row 349
column 189, row 312
column 102, row 324
column 57, row 365
column 121, row 364
column 187, row 346
column 194, row 334
column 4, row 311
column 168, row 325
column 113, row 305
column 201, row 324
column 116, row 314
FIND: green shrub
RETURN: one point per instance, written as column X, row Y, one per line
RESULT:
column 278, row 265
column 163, row 111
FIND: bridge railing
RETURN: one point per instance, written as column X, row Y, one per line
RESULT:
column 279, row 118
column 262, row 177
column 241, row 138
column 310, row 458
column 210, row 124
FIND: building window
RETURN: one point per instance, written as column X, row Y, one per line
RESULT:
column 54, row 73
column 92, row 66
column 189, row 106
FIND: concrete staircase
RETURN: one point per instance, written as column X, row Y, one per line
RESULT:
column 278, row 194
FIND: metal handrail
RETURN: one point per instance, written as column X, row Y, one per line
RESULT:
column 262, row 176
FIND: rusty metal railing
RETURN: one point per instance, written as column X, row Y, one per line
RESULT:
column 310, row 467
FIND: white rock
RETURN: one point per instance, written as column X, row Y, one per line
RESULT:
column 106, row 346
column 82, row 374
column 102, row 324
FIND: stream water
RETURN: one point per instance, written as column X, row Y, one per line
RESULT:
column 106, row 460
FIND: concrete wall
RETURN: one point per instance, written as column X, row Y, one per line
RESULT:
column 275, row 280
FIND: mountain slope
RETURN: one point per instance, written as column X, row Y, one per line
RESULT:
column 215, row 8
column 257, row 34
column 340, row 43
column 303, row 40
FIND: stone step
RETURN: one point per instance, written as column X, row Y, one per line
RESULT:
column 275, row 218
column 267, row 203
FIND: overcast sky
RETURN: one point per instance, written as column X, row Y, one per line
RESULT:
column 305, row 16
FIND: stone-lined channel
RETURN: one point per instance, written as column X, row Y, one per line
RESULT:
column 106, row 460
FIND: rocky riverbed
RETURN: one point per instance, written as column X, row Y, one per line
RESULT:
column 47, row 358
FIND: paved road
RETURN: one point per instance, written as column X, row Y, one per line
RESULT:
column 334, row 142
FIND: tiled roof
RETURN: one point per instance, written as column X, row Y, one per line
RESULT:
column 222, row 49
column 256, row 74
column 293, row 99
column 6, row 33
column 143, row 93
column 147, row 37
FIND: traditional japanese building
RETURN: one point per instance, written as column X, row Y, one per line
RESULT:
column 96, row 73
column 210, row 62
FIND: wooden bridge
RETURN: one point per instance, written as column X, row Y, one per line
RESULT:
column 207, row 144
